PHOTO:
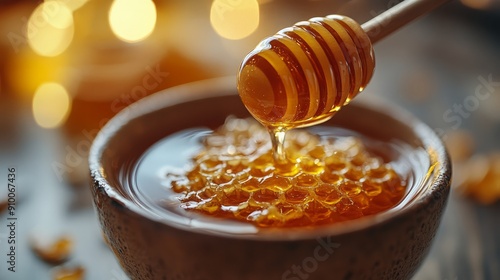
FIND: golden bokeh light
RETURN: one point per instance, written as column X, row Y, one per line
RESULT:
column 234, row 19
column 72, row 4
column 27, row 70
column 50, row 28
column 132, row 20
column 51, row 105
column 57, row 14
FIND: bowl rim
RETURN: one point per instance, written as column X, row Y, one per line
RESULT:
column 440, row 181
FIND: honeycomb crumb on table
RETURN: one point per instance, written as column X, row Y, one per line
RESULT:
column 326, row 180
column 482, row 178
column 68, row 273
column 56, row 252
column 476, row 177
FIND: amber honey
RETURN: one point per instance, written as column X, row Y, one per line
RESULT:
column 325, row 179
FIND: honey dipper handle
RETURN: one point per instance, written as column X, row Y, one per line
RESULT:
column 398, row 16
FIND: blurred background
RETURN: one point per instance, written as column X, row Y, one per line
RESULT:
column 67, row 66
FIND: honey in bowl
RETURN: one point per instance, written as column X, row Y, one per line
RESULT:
column 325, row 180
column 333, row 175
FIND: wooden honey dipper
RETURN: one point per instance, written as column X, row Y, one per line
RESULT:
column 305, row 73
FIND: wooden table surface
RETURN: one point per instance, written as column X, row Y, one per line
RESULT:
column 425, row 75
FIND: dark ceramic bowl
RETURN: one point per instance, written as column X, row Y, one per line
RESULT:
column 389, row 245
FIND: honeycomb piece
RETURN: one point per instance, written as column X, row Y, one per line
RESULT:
column 482, row 180
column 56, row 252
column 325, row 180
column 69, row 273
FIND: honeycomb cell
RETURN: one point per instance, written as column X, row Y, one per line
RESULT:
column 236, row 197
column 210, row 166
column 197, row 184
column 263, row 162
column 210, row 206
column 296, row 195
column 287, row 169
column 306, row 181
column 259, row 173
column 311, row 165
column 265, row 195
column 193, row 174
column 361, row 200
column 245, row 211
column 315, row 211
column 349, row 211
column 276, row 183
column 289, row 212
column 335, row 162
column 351, row 188
column 191, row 196
column 354, row 174
column 235, row 166
column 334, row 197
column 371, row 188
column 317, row 153
column 206, row 193
column 179, row 186
column 330, row 177
column 250, row 185
column 323, row 190
column 358, row 160
column 329, row 180
column 223, row 178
